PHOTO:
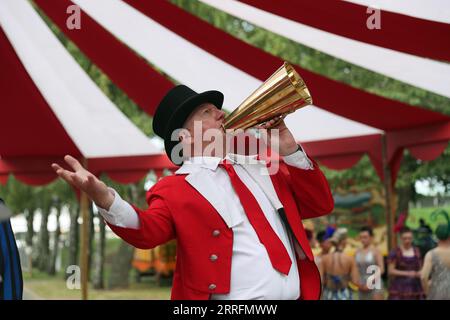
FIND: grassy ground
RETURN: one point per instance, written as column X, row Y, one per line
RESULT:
column 424, row 213
column 54, row 288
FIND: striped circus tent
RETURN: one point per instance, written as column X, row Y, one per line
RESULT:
column 401, row 64
column 344, row 123
column 433, row 10
column 405, row 30
column 53, row 108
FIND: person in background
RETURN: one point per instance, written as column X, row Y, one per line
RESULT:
column 404, row 264
column 11, row 282
column 310, row 237
column 365, row 258
column 423, row 225
column 423, row 238
column 338, row 270
column 436, row 267
column 325, row 245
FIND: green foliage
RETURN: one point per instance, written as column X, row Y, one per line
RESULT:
column 436, row 171
column 363, row 174
column 424, row 213
column 134, row 193
column 20, row 197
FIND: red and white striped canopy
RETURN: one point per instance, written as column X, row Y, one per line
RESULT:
column 415, row 70
column 51, row 108
column 344, row 123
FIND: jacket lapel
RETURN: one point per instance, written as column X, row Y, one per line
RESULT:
column 202, row 181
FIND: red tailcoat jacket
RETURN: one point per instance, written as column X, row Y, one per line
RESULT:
column 177, row 210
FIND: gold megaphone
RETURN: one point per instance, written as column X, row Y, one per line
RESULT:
column 283, row 93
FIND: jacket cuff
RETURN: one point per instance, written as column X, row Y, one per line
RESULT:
column 121, row 213
column 299, row 159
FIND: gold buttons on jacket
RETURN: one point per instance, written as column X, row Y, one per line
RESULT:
column 213, row 257
column 212, row 286
column 216, row 233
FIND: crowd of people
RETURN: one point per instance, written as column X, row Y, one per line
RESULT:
column 409, row 272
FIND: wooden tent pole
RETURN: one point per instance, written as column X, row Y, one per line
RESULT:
column 388, row 196
column 84, row 254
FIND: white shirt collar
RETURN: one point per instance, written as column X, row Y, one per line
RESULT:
column 195, row 163
column 242, row 159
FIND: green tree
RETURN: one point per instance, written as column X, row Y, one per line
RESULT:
column 121, row 266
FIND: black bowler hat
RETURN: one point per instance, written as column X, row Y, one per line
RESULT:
column 175, row 108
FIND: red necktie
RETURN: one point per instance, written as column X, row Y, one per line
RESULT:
column 278, row 254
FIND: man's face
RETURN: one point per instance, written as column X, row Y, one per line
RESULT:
column 210, row 116
column 204, row 125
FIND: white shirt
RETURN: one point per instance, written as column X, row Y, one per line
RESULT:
column 252, row 274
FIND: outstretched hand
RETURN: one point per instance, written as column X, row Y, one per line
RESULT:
column 84, row 180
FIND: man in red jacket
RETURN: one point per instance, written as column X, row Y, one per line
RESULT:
column 238, row 226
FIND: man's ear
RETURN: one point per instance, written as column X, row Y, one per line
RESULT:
column 184, row 136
